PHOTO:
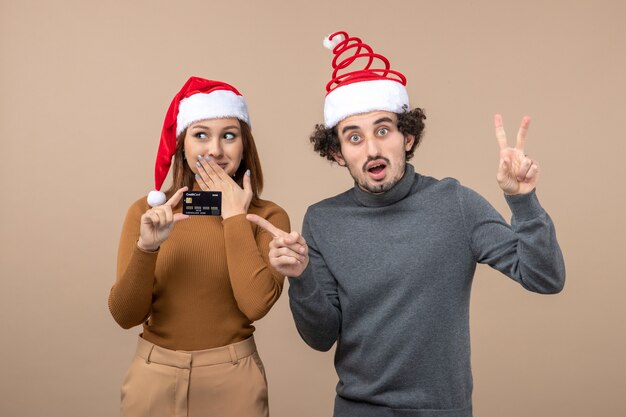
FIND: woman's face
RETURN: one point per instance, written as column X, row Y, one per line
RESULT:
column 218, row 138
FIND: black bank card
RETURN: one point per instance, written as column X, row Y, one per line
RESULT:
column 208, row 203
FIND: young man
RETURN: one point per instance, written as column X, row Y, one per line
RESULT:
column 385, row 268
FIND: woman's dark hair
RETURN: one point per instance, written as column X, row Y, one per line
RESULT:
column 326, row 140
column 182, row 175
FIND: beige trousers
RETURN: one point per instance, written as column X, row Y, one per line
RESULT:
column 226, row 381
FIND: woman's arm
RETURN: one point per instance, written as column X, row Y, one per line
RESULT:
column 256, row 285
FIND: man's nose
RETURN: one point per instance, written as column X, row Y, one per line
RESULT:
column 373, row 147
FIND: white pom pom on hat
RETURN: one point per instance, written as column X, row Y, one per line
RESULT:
column 360, row 87
column 156, row 198
column 199, row 99
column 331, row 43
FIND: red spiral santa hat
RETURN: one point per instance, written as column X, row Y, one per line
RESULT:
column 199, row 99
column 358, row 85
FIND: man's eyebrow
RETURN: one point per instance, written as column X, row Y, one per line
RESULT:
column 383, row 119
column 346, row 128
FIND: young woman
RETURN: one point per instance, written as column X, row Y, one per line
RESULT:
column 197, row 283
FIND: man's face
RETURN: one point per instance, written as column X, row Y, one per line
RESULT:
column 373, row 150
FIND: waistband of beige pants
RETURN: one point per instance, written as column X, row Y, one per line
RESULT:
column 187, row 359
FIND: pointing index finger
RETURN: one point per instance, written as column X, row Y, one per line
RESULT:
column 263, row 223
column 500, row 134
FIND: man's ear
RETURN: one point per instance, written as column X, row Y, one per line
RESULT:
column 338, row 157
column 408, row 142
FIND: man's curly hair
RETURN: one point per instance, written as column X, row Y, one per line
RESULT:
column 326, row 140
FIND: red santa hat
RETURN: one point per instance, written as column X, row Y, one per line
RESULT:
column 362, row 88
column 199, row 99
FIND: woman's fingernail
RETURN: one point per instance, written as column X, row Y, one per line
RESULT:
column 199, row 157
column 248, row 172
column 198, row 176
column 208, row 158
column 198, row 164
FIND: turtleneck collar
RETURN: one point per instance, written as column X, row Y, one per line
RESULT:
column 395, row 194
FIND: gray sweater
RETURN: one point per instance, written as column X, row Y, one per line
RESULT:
column 389, row 280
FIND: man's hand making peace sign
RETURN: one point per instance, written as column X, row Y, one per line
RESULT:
column 517, row 174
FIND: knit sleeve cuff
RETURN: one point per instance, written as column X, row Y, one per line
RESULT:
column 302, row 287
column 143, row 258
column 524, row 206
